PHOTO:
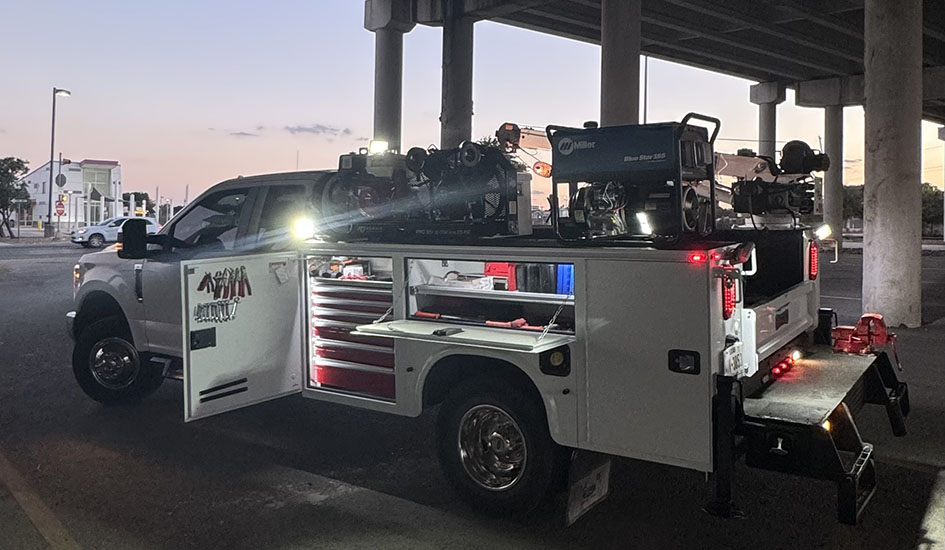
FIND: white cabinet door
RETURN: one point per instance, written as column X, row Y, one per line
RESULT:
column 242, row 331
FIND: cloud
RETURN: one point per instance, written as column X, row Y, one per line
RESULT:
column 244, row 134
column 260, row 128
column 2, row 131
column 318, row 130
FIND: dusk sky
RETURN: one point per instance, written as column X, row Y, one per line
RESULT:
column 197, row 92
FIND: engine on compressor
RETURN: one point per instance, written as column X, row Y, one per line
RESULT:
column 640, row 182
column 793, row 194
column 470, row 191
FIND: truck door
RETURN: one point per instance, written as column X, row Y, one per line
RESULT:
column 212, row 226
column 242, row 331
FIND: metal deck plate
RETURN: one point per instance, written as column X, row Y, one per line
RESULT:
column 812, row 389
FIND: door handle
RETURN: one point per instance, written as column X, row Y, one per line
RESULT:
column 138, row 283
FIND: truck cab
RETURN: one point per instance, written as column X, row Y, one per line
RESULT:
column 138, row 300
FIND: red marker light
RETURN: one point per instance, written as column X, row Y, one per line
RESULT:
column 776, row 371
column 814, row 261
column 716, row 256
column 783, row 366
column 728, row 298
column 698, row 257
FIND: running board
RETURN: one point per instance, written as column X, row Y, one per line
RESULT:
column 803, row 424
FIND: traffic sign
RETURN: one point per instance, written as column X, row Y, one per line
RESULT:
column 61, row 180
column 60, row 208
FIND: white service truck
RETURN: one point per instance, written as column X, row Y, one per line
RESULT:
column 634, row 327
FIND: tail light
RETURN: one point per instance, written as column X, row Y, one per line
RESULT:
column 814, row 263
column 728, row 297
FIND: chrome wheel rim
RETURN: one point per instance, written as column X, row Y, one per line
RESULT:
column 95, row 241
column 114, row 363
column 492, row 447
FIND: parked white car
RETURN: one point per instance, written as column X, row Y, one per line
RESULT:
column 95, row 236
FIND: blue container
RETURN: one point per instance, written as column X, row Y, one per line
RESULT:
column 566, row 279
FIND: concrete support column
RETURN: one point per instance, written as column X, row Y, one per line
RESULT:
column 389, row 20
column 833, row 178
column 892, row 202
column 388, row 85
column 457, row 103
column 767, row 96
column 620, row 62
column 941, row 136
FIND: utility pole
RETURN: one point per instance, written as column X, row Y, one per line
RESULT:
column 47, row 229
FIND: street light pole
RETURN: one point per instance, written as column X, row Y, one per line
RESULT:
column 48, row 230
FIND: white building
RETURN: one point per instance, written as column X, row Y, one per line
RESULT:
column 92, row 189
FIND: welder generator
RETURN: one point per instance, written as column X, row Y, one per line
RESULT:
column 640, row 182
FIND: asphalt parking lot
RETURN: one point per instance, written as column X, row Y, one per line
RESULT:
column 295, row 473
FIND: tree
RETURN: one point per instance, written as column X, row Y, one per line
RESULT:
column 149, row 205
column 11, row 170
column 932, row 208
column 852, row 201
column 492, row 141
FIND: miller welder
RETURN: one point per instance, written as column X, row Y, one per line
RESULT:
column 637, row 182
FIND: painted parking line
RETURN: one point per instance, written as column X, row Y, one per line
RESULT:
column 40, row 515
column 934, row 523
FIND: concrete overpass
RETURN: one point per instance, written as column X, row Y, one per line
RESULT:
column 888, row 55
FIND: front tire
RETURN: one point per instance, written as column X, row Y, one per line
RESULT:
column 495, row 449
column 107, row 366
column 96, row 241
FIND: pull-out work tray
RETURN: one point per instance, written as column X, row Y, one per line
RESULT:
column 497, row 338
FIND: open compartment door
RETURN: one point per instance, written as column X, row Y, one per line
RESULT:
column 242, row 331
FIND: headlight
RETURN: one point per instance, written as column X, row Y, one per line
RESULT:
column 76, row 277
column 81, row 231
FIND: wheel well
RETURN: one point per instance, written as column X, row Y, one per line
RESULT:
column 449, row 371
column 97, row 305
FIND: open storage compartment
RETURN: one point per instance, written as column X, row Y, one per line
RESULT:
column 345, row 292
column 517, row 296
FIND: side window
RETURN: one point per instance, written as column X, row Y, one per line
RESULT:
column 117, row 223
column 282, row 204
column 214, row 221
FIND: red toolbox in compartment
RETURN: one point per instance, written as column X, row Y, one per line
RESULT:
column 504, row 270
column 370, row 383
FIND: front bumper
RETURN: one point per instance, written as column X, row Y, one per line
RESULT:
column 79, row 238
column 70, row 324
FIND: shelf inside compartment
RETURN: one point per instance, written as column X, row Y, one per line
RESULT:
column 497, row 295
column 345, row 362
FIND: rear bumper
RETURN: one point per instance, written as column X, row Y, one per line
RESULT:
column 803, row 424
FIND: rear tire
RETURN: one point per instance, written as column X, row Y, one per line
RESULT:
column 107, row 366
column 96, row 241
column 495, row 449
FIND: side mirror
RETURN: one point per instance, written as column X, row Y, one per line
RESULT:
column 133, row 239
